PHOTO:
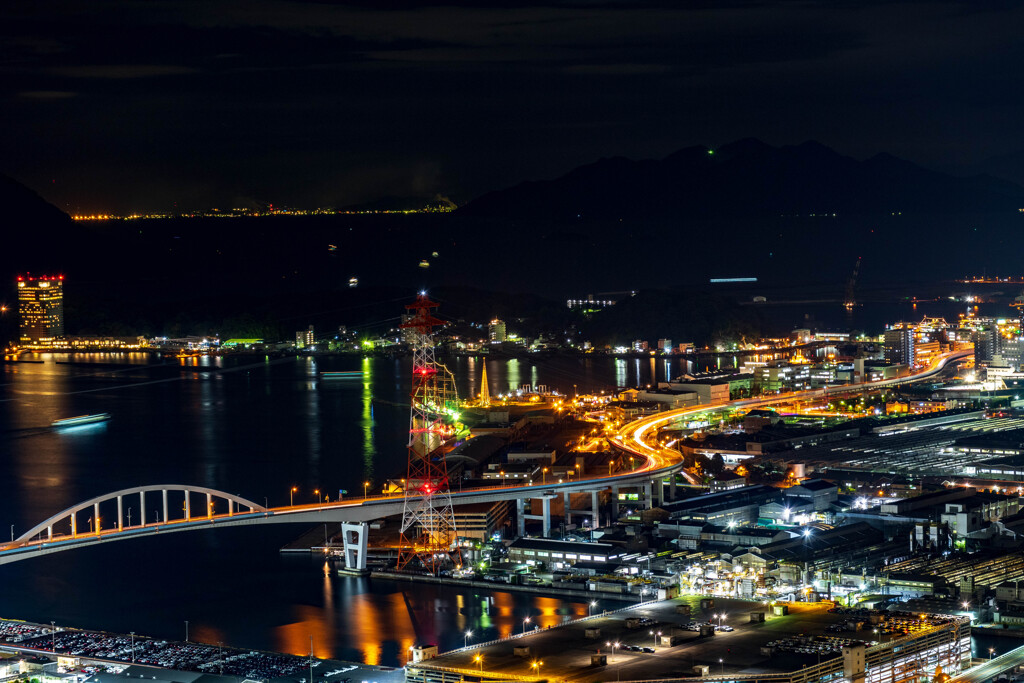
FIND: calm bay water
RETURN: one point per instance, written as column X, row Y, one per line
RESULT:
column 254, row 428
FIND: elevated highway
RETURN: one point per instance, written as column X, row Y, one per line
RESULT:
column 654, row 464
column 638, row 437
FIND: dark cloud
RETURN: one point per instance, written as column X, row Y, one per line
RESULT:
column 120, row 105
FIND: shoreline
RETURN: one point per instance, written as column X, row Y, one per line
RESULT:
column 501, row 587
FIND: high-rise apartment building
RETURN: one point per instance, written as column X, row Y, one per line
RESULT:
column 496, row 331
column 41, row 308
column 899, row 344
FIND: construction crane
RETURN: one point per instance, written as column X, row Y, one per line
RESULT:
column 849, row 301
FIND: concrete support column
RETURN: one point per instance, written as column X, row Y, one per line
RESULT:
column 547, row 517
column 188, row 506
column 615, row 502
column 647, row 494
column 120, row 514
column 142, row 508
column 209, row 506
column 672, row 487
column 659, row 493
column 567, row 514
column 74, row 524
column 595, row 522
column 96, row 517
column 520, row 519
column 231, row 507
column 49, row 533
column 165, row 506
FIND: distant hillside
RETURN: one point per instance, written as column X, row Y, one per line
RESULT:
column 37, row 235
column 434, row 202
column 747, row 178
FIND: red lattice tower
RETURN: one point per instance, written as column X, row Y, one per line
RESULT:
column 428, row 521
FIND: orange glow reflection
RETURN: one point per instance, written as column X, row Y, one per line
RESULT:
column 293, row 638
column 204, row 633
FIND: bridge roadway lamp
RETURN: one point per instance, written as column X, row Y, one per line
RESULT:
column 291, row 496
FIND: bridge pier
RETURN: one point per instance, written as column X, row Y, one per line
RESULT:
column 142, row 508
column 74, row 525
column 354, row 539
column 647, row 487
column 209, row 506
column 188, row 507
column 49, row 533
column 566, row 510
column 593, row 509
column 231, row 507
column 96, row 517
column 120, row 514
column 546, row 507
column 615, row 502
column 672, row 486
column 165, row 506
column 658, row 493
column 520, row 517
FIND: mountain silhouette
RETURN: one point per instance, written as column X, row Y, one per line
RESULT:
column 748, row 178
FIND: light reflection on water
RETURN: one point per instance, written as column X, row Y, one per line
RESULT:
column 256, row 431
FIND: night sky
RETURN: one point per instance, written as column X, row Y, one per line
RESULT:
column 131, row 105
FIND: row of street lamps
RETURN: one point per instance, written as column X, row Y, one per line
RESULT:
column 325, row 498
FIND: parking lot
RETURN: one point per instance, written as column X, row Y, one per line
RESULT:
column 565, row 652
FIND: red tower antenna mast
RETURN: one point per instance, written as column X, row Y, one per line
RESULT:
column 428, row 521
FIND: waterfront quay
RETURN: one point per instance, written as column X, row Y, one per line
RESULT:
column 725, row 639
column 58, row 653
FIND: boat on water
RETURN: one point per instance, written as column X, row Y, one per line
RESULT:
column 81, row 420
column 346, row 374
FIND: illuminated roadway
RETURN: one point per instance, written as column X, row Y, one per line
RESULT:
column 991, row 668
column 656, row 463
column 635, row 437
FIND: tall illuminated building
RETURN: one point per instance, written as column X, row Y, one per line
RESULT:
column 41, row 308
column 496, row 331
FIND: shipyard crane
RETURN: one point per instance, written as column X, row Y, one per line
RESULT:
column 849, row 301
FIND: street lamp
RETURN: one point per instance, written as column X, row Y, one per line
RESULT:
column 610, row 463
column 525, row 622
column 366, row 485
column 631, row 465
column 316, row 492
column 655, row 636
column 186, row 630
column 544, row 475
column 479, row 659
column 536, row 666
column 465, row 640
column 590, row 608
column 613, row 646
column 291, row 496
column 991, row 652
column 133, row 645
column 722, row 662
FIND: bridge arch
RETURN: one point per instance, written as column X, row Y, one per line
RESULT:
column 141, row 491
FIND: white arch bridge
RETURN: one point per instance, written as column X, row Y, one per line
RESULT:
column 168, row 508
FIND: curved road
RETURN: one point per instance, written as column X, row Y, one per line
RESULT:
column 636, row 437
column 633, row 438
